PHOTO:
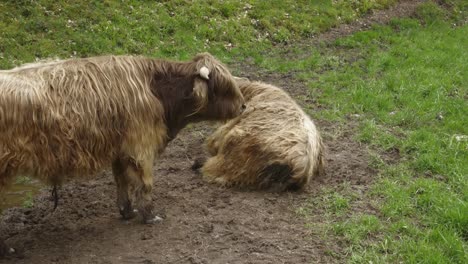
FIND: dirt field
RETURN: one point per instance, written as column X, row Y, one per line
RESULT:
column 202, row 223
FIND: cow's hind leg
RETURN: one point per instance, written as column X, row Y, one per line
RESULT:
column 120, row 168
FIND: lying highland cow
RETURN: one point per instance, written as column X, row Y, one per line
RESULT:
column 272, row 145
column 67, row 119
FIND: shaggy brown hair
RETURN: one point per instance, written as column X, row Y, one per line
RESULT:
column 273, row 144
column 67, row 119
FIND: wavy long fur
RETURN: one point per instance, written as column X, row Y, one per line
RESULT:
column 272, row 145
column 71, row 118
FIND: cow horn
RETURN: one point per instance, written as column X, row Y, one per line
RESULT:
column 204, row 72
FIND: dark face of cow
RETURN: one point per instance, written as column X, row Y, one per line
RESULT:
column 218, row 96
column 199, row 90
column 188, row 99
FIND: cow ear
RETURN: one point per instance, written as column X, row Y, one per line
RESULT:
column 200, row 92
column 211, row 86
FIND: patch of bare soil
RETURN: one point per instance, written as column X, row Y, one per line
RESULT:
column 404, row 8
column 202, row 223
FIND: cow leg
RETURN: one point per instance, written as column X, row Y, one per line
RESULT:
column 143, row 193
column 120, row 168
column 5, row 250
column 216, row 139
column 141, row 146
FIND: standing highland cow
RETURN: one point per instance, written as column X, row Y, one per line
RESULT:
column 67, row 119
column 272, row 145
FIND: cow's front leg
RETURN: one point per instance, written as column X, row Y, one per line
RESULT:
column 143, row 191
column 120, row 169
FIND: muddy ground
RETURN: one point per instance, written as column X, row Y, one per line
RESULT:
column 202, row 223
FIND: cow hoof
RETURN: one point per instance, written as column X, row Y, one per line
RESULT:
column 127, row 214
column 198, row 163
column 7, row 251
column 153, row 220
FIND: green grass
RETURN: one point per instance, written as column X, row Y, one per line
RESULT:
column 175, row 29
column 408, row 84
column 403, row 84
column 29, row 200
column 23, row 180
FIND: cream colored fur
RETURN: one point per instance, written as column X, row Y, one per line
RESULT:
column 67, row 119
column 273, row 144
